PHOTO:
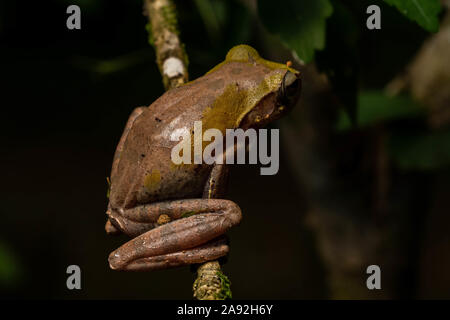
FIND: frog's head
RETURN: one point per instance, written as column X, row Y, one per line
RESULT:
column 274, row 94
column 276, row 103
column 254, row 91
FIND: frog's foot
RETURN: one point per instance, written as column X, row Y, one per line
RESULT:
column 210, row 251
column 118, row 223
column 180, row 242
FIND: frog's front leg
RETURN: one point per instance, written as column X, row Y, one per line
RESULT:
column 217, row 182
column 190, row 238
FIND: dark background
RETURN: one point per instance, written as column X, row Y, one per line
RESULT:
column 66, row 96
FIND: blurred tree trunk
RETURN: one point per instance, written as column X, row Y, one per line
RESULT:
column 353, row 223
column 363, row 212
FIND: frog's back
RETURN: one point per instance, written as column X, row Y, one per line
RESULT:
column 145, row 171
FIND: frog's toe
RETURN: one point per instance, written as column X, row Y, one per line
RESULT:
column 116, row 261
column 111, row 229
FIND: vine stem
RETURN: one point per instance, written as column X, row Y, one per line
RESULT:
column 172, row 61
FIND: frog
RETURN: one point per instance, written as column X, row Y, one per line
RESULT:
column 177, row 215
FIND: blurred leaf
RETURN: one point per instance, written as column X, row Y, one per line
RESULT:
column 420, row 151
column 424, row 12
column 340, row 58
column 9, row 266
column 117, row 64
column 375, row 107
column 238, row 29
column 212, row 13
column 300, row 24
column 226, row 22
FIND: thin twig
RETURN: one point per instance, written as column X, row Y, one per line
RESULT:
column 211, row 283
column 164, row 37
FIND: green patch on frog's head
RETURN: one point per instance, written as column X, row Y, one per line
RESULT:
column 255, row 106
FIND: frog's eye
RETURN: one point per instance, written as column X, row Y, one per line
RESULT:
column 290, row 88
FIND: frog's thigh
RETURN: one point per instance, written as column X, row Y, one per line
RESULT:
column 136, row 113
column 110, row 228
column 209, row 218
column 210, row 251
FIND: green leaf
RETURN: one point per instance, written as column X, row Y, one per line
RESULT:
column 424, row 12
column 375, row 107
column 424, row 151
column 300, row 24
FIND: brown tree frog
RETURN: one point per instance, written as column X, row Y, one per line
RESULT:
column 175, row 213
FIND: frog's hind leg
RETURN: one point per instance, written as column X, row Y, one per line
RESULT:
column 118, row 222
column 195, row 223
column 210, row 251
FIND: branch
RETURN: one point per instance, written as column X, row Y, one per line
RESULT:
column 211, row 283
column 164, row 37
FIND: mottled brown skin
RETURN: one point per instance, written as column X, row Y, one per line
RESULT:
column 145, row 183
